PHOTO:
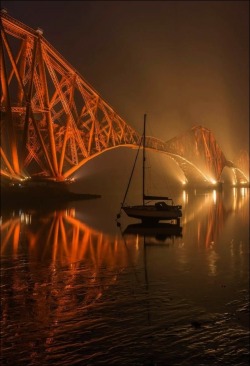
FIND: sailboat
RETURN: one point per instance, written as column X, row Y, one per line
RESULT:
column 153, row 208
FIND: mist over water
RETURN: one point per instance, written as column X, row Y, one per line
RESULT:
column 77, row 289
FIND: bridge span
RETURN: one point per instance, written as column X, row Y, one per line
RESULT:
column 53, row 121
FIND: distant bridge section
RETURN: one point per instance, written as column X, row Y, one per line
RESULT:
column 199, row 156
column 53, row 121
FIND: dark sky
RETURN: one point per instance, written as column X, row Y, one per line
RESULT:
column 184, row 63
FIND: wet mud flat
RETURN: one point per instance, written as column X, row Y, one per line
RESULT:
column 39, row 197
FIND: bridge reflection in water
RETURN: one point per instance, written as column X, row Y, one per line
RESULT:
column 55, row 268
column 60, row 239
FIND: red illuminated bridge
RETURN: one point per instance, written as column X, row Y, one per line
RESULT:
column 53, row 121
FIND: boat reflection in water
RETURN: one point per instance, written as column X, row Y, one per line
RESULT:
column 160, row 232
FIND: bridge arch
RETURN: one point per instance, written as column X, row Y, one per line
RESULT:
column 237, row 176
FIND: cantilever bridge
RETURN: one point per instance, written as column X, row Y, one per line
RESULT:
column 53, row 121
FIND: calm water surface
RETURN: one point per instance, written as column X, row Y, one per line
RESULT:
column 77, row 289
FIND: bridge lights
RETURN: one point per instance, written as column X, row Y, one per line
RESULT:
column 69, row 180
column 24, row 179
column 213, row 181
column 244, row 183
column 39, row 31
column 243, row 191
column 214, row 196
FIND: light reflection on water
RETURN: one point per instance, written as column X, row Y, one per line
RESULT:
column 75, row 291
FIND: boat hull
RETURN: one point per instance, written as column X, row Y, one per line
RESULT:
column 150, row 213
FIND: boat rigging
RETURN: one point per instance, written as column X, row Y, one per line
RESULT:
column 150, row 213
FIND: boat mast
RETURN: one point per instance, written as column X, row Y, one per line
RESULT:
column 143, row 159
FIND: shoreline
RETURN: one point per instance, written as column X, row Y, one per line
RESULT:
column 40, row 197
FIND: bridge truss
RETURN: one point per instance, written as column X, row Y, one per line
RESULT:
column 53, row 121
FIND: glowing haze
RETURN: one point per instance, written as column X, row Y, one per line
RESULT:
column 184, row 63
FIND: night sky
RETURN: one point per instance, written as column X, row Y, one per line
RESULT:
column 184, row 63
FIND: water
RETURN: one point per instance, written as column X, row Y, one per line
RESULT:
column 75, row 290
